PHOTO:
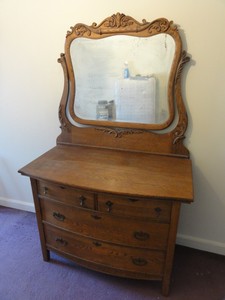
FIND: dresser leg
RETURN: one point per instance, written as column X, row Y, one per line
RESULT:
column 165, row 287
column 46, row 254
column 45, row 251
column 170, row 247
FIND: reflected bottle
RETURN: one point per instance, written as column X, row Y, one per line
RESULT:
column 126, row 73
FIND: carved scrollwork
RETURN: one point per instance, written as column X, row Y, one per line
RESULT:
column 159, row 25
column 79, row 30
column 179, row 133
column 119, row 132
column 118, row 20
column 184, row 59
column 61, row 59
column 121, row 23
column 64, row 125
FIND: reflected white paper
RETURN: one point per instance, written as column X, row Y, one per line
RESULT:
column 135, row 100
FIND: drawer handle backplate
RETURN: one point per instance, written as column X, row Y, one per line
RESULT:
column 61, row 241
column 141, row 236
column 138, row 261
column 58, row 216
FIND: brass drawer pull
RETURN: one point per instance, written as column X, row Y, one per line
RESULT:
column 109, row 205
column 58, row 216
column 141, row 236
column 97, row 244
column 139, row 261
column 61, row 241
column 82, row 200
column 96, row 217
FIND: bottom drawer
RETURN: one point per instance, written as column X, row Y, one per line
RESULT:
column 115, row 256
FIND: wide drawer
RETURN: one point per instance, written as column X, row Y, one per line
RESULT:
column 106, row 227
column 67, row 195
column 157, row 210
column 120, row 257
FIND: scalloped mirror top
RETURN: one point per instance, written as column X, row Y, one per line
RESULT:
column 122, row 73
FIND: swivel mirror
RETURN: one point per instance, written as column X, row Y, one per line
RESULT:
column 122, row 73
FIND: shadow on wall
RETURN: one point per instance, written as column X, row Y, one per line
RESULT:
column 205, row 217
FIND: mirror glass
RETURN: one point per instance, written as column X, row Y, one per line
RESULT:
column 122, row 78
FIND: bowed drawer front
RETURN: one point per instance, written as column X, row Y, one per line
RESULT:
column 126, row 236
column 103, row 253
column 112, row 232
column 106, row 227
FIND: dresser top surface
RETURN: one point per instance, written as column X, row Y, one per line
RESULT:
column 114, row 171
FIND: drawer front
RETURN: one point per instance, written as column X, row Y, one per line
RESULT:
column 106, row 227
column 157, row 210
column 66, row 195
column 120, row 257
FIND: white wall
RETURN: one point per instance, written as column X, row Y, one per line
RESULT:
column 32, row 37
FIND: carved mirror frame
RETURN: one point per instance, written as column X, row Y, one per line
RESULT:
column 125, row 25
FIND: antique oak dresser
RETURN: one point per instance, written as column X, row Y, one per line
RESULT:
column 108, row 195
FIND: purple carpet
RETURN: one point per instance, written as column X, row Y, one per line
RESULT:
column 25, row 276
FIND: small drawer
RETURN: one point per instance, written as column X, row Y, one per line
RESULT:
column 106, row 227
column 111, row 255
column 157, row 210
column 66, row 195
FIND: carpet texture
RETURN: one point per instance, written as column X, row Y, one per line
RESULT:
column 24, row 275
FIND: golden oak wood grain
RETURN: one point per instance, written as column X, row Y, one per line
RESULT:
column 108, row 195
column 108, row 171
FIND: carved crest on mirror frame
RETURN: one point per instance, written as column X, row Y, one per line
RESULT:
column 173, row 128
column 122, row 23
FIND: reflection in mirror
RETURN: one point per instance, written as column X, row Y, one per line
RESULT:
column 123, row 78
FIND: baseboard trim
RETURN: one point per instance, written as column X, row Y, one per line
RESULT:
column 201, row 244
column 17, row 204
